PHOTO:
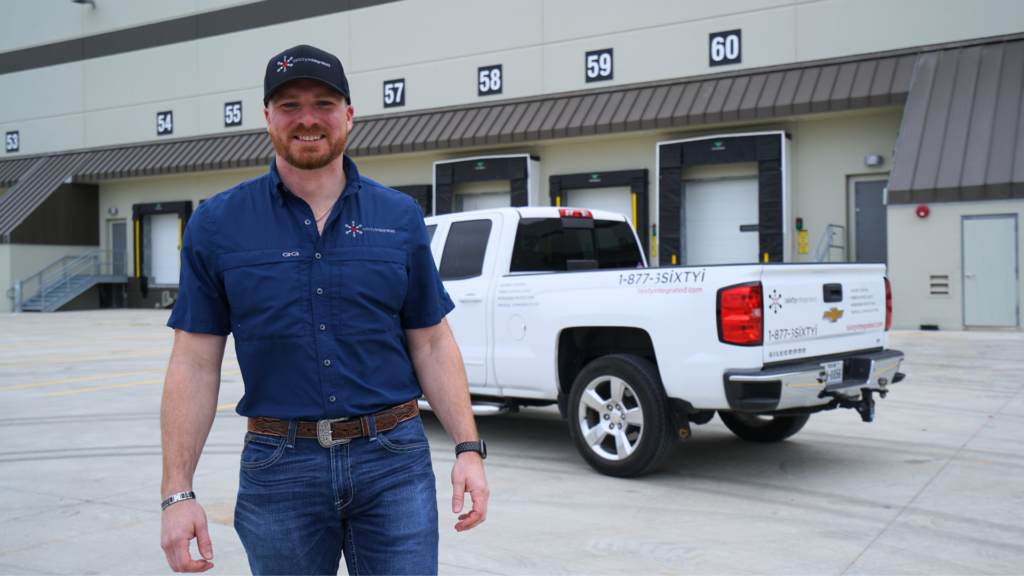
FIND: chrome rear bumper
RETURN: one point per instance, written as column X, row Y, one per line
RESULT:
column 803, row 385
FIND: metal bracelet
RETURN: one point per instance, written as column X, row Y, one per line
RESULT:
column 190, row 495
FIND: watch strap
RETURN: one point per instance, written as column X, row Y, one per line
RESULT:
column 477, row 446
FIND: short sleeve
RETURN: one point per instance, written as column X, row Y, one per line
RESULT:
column 426, row 300
column 201, row 307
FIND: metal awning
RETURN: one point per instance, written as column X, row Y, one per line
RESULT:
column 962, row 137
column 41, row 180
column 840, row 84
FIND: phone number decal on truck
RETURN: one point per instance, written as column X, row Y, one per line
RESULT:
column 793, row 333
column 655, row 278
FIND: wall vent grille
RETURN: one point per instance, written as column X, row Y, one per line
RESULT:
column 938, row 285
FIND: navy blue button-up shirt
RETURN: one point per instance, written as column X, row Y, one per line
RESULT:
column 318, row 320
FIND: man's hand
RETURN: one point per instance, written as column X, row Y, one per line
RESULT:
column 183, row 521
column 468, row 476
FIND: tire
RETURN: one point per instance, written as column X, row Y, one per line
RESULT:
column 641, row 437
column 763, row 428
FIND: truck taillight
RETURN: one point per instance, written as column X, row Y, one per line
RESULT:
column 574, row 213
column 740, row 319
column 888, row 304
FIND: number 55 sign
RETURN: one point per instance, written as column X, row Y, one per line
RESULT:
column 725, row 48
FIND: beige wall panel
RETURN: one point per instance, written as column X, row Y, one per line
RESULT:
column 412, row 31
column 47, row 134
column 576, row 19
column 211, row 111
column 41, row 93
column 825, row 152
column 38, row 22
column 407, row 169
column 920, row 247
column 238, row 60
column 6, row 281
column 450, row 82
column 110, row 15
column 210, row 5
column 156, row 74
column 138, row 123
column 841, row 27
column 672, row 51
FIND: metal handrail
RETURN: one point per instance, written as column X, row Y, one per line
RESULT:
column 823, row 251
column 85, row 265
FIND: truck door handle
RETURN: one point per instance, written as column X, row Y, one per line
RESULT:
column 471, row 298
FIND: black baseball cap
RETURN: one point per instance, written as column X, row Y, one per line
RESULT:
column 304, row 62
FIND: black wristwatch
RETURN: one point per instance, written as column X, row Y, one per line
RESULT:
column 472, row 447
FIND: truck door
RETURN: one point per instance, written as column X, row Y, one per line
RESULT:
column 467, row 267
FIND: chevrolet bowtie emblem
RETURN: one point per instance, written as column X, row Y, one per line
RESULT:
column 833, row 315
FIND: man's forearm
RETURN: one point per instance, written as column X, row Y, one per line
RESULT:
column 188, row 407
column 442, row 377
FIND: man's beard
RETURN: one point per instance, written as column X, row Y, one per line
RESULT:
column 308, row 160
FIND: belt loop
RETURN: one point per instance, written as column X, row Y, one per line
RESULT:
column 371, row 427
column 292, row 427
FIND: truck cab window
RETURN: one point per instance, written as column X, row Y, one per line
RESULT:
column 544, row 245
column 464, row 250
column 430, row 231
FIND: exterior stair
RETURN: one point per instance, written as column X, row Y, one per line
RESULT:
column 63, row 280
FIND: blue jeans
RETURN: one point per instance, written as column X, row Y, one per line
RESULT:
column 302, row 506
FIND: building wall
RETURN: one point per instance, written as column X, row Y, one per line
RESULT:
column 920, row 247
column 436, row 46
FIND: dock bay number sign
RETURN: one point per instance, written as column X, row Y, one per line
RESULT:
column 725, row 48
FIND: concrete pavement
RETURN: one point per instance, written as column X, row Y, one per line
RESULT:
column 932, row 486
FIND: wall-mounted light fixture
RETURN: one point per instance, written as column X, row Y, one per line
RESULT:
column 92, row 2
column 873, row 160
column 112, row 210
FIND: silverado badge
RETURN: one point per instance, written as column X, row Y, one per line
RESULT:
column 833, row 315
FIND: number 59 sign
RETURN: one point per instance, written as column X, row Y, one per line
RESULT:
column 725, row 48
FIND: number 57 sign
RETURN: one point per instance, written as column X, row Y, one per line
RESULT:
column 725, row 48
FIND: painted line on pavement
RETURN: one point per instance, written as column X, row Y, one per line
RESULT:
column 120, row 385
column 85, row 359
column 79, row 379
column 226, row 406
column 161, row 347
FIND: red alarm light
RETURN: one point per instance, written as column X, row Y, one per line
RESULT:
column 923, row 211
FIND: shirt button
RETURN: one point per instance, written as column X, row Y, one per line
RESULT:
column 327, row 362
column 307, row 222
column 332, row 398
column 317, row 255
column 322, row 327
column 319, row 290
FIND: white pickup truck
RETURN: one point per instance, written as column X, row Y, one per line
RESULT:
column 557, row 305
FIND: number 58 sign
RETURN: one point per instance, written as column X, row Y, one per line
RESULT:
column 725, row 48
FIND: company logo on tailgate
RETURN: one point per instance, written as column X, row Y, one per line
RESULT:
column 833, row 315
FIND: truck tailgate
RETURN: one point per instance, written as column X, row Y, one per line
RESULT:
column 819, row 309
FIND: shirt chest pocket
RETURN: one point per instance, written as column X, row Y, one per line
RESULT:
column 367, row 289
column 265, row 293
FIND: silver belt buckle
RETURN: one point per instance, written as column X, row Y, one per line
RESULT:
column 324, row 434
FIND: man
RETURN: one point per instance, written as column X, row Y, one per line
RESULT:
column 327, row 281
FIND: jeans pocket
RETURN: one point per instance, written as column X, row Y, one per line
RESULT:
column 407, row 437
column 261, row 451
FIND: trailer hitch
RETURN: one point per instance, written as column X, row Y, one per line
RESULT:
column 865, row 405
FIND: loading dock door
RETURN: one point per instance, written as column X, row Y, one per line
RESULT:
column 721, row 219
column 164, row 249
column 618, row 200
column 990, row 270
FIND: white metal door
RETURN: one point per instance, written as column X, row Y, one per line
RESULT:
column 990, row 270
column 466, row 267
column 165, row 250
column 716, row 213
column 484, row 201
column 618, row 200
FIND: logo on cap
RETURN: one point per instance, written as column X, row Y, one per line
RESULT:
column 287, row 63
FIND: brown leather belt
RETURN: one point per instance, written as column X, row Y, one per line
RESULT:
column 334, row 431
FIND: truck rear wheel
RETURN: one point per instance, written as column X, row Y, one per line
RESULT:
column 618, row 416
column 763, row 428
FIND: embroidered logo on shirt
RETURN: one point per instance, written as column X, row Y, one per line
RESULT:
column 286, row 254
column 354, row 229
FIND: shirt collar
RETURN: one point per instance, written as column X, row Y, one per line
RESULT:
column 352, row 180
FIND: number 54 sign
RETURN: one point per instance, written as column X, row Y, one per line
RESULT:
column 725, row 48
